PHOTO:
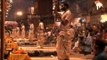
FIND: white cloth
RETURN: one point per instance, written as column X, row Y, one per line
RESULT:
column 67, row 15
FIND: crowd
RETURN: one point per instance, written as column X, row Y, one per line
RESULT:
column 85, row 39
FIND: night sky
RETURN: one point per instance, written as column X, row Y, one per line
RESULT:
column 19, row 5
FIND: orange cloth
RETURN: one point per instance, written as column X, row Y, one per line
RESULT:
column 11, row 45
column 8, row 39
column 15, row 45
column 18, row 57
column 19, row 52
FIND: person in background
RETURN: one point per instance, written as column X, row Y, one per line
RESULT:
column 31, row 31
column 102, row 56
column 88, row 44
column 40, row 35
column 17, row 32
column 100, row 45
column 23, row 31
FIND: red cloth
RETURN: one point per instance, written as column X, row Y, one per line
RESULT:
column 105, row 36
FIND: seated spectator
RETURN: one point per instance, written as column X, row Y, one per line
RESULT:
column 102, row 56
column 105, row 35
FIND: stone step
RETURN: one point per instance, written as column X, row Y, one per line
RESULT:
column 48, row 52
column 55, row 58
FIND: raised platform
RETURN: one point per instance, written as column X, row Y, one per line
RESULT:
column 35, row 51
column 46, row 52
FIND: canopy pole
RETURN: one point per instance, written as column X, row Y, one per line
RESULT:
column 3, row 8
